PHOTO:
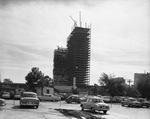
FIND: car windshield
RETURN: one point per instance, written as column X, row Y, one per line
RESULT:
column 133, row 100
column 97, row 100
column 28, row 95
column 142, row 100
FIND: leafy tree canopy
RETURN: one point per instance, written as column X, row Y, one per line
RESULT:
column 112, row 85
column 33, row 77
column 7, row 80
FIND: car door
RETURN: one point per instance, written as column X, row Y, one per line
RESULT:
column 125, row 102
column 72, row 99
column 85, row 104
column 76, row 99
column 50, row 97
column 88, row 105
column 45, row 97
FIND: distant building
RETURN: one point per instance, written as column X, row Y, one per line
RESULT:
column 47, row 90
column 59, row 74
column 15, row 87
column 139, row 77
column 63, row 89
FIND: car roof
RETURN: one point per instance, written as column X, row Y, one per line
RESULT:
column 142, row 98
column 29, row 93
column 94, row 97
column 132, row 98
column 74, row 95
column 47, row 94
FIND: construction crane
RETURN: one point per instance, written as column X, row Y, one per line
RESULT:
column 75, row 22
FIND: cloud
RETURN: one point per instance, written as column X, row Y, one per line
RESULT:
column 66, row 2
column 30, row 31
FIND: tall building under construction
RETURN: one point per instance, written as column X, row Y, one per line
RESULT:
column 78, row 56
column 59, row 74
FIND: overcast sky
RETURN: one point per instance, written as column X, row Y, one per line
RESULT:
column 30, row 31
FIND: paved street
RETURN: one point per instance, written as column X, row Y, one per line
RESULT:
column 46, row 111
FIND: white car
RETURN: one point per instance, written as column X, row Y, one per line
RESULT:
column 106, row 99
column 17, row 96
column 29, row 99
column 95, row 104
column 6, row 95
column 49, row 97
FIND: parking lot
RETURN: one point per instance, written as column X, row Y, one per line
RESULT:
column 47, row 110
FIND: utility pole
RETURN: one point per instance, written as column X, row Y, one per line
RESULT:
column 129, row 81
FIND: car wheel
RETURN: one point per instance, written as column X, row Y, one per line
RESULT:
column 92, row 110
column 147, row 106
column 82, row 108
column 37, row 106
column 128, row 105
column 21, row 106
column 105, row 112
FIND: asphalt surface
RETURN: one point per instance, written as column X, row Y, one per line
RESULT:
column 47, row 110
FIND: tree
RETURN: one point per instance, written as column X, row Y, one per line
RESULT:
column 48, row 81
column 33, row 78
column 132, row 91
column 7, row 80
column 95, row 89
column 45, row 81
column 112, row 85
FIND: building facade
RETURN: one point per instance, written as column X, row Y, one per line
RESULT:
column 78, row 56
column 139, row 77
column 59, row 62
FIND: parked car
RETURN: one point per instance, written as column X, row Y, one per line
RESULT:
column 117, row 99
column 49, row 97
column 6, row 95
column 144, row 102
column 131, row 102
column 99, row 96
column 106, row 99
column 29, row 99
column 2, row 102
column 17, row 96
column 95, row 104
column 63, row 96
column 75, row 98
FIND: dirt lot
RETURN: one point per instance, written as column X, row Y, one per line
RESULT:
column 78, row 114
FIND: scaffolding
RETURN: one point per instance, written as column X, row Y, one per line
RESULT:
column 78, row 56
column 59, row 66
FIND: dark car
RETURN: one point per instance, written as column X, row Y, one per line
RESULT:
column 144, row 102
column 74, row 98
column 131, row 102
